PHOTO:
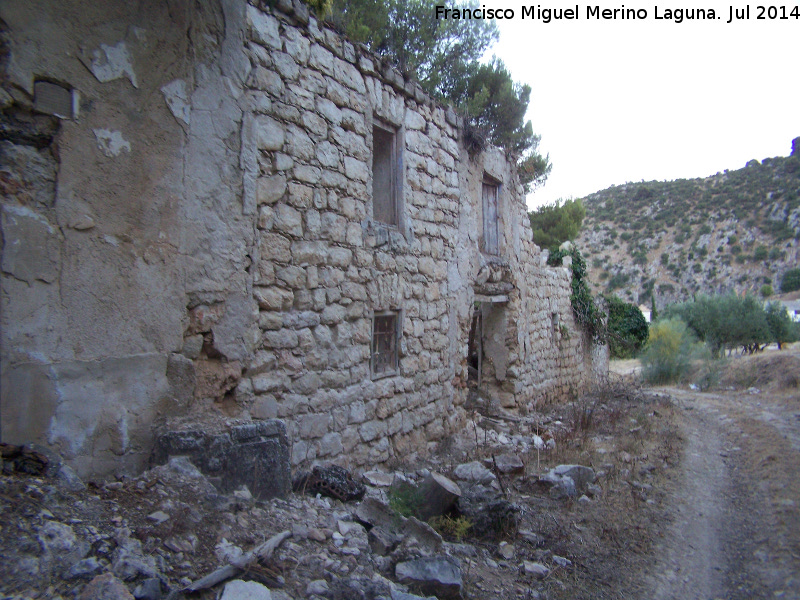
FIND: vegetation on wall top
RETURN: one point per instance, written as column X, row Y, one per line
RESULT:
column 444, row 55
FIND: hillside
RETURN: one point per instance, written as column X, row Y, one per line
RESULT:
column 734, row 231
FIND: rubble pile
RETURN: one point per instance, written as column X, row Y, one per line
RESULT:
column 467, row 524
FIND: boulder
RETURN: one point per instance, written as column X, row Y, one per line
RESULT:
column 508, row 464
column 439, row 494
column 568, row 481
column 439, row 576
column 537, row 570
column 245, row 590
column 491, row 515
column 474, row 472
column 105, row 587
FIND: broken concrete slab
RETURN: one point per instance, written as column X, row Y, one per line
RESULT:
column 253, row 454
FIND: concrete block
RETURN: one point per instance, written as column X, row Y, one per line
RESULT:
column 254, row 454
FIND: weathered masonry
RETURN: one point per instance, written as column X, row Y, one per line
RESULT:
column 215, row 212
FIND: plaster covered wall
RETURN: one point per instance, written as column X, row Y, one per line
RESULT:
column 196, row 240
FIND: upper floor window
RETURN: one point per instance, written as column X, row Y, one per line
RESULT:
column 491, row 230
column 385, row 167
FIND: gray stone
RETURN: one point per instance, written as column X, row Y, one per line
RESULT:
column 568, row 480
column 273, row 298
column 318, row 586
column 439, row 576
column 561, row 561
column 192, row 345
column 158, row 517
column 270, row 189
column 84, row 568
column 269, row 133
column 473, row 471
column 263, row 27
column 245, row 590
column 69, row 480
column 378, row 478
column 509, row 463
column 105, row 587
column 31, row 248
column 149, row 589
column 288, row 220
column 537, row 570
column 128, row 562
column 57, row 538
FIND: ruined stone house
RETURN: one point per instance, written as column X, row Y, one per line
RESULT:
column 217, row 212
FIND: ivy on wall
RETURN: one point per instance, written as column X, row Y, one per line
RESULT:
column 587, row 313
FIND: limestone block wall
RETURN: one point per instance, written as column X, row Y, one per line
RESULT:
column 189, row 235
column 325, row 265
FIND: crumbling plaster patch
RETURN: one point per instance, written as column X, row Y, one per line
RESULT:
column 111, row 143
column 112, row 62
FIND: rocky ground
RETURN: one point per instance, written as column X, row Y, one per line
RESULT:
column 684, row 495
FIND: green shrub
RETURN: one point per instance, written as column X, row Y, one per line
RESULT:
column 782, row 329
column 405, row 500
column 760, row 253
column 776, row 254
column 450, row 527
column 617, row 281
column 791, row 280
column 668, row 354
column 627, row 328
column 766, row 291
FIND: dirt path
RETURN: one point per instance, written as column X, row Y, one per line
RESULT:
column 735, row 531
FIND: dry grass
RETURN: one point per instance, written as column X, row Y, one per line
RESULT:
column 774, row 371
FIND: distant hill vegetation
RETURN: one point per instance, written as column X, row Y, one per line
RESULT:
column 736, row 231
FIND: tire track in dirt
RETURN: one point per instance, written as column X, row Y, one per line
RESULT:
column 734, row 532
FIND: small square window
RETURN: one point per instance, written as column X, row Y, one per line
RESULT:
column 385, row 344
column 384, row 176
column 53, row 99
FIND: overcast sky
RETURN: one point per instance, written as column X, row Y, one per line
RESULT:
column 626, row 100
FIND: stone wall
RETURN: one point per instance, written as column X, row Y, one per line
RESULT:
column 195, row 240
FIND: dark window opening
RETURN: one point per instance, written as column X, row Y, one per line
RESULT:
column 475, row 348
column 384, row 176
column 385, row 337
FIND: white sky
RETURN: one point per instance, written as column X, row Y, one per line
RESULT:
column 618, row 101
